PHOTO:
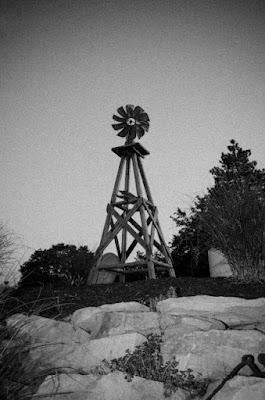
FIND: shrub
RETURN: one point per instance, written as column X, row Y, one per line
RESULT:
column 60, row 264
column 230, row 217
column 235, row 222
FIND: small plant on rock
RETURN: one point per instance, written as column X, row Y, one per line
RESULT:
column 152, row 301
column 146, row 361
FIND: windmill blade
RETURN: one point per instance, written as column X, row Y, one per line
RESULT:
column 138, row 110
column 122, row 112
column 118, row 126
column 132, row 122
column 118, row 119
column 145, row 125
column 124, row 131
column 129, row 110
column 143, row 117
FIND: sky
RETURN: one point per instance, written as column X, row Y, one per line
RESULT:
column 197, row 67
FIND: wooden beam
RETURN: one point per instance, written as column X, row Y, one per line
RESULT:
column 159, row 231
column 145, row 182
column 125, row 225
column 124, row 231
column 150, row 265
column 117, row 226
column 161, row 264
column 117, row 244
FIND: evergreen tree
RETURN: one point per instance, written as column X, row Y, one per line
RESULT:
column 238, row 191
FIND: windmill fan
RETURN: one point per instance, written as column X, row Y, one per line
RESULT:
column 132, row 122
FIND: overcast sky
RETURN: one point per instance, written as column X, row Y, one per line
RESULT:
column 197, row 67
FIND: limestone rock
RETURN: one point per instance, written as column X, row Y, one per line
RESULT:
column 230, row 310
column 108, row 387
column 214, row 353
column 131, row 306
column 203, row 323
column 239, row 388
column 69, row 357
column 45, row 330
column 175, row 333
column 85, row 313
column 107, row 323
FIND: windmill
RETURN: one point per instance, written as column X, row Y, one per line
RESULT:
column 132, row 218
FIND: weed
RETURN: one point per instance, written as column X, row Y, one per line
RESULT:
column 152, row 301
column 73, row 280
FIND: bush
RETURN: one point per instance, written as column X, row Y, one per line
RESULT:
column 235, row 223
column 230, row 217
column 60, row 265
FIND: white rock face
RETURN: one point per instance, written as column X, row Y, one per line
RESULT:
column 84, row 314
column 132, row 306
column 107, row 323
column 108, row 387
column 214, row 353
column 46, row 330
column 206, row 334
column 239, row 388
column 84, row 356
column 230, row 310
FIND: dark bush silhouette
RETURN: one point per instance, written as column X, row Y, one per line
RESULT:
column 61, row 264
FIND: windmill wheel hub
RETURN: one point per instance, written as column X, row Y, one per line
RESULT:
column 131, row 121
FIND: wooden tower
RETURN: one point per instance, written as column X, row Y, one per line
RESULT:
column 132, row 218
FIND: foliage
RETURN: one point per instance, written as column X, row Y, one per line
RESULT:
column 233, row 206
column 7, row 249
column 61, row 264
column 235, row 221
column 147, row 362
column 152, row 301
column 19, row 378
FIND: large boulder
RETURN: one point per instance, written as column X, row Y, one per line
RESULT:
column 232, row 311
column 108, row 323
column 84, row 314
column 108, row 387
column 116, row 319
column 69, row 357
column 212, row 353
column 239, row 388
column 40, row 329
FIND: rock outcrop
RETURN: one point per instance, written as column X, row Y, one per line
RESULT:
column 206, row 334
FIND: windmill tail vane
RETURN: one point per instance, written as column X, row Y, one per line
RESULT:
column 131, row 122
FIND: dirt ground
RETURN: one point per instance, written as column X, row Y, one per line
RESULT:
column 60, row 302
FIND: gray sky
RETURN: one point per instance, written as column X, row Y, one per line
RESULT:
column 197, row 67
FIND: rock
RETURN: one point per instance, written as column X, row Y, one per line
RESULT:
column 214, row 353
column 45, row 330
column 231, row 311
column 239, row 388
column 208, row 335
column 260, row 327
column 175, row 333
column 82, row 357
column 91, row 387
column 131, row 306
column 116, row 319
column 107, row 323
column 203, row 323
column 105, row 276
column 83, row 314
